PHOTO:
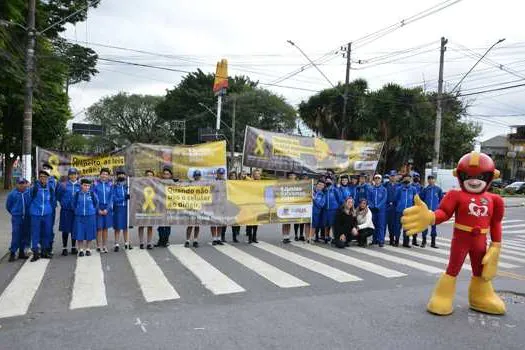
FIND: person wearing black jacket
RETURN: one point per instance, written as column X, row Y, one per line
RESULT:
column 345, row 224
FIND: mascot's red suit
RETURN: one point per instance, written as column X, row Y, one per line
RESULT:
column 477, row 213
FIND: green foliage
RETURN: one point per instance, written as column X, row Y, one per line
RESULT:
column 254, row 106
column 403, row 118
column 129, row 118
column 80, row 61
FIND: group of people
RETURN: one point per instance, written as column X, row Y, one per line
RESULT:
column 354, row 208
column 344, row 209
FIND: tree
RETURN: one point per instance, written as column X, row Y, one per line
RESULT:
column 80, row 62
column 129, row 118
column 254, row 106
column 403, row 118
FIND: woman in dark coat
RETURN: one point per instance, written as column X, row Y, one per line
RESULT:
column 345, row 224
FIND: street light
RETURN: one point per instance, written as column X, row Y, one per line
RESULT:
column 475, row 64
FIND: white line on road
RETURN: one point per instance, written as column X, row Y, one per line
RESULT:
column 395, row 259
column 512, row 226
column 307, row 263
column 422, row 256
column 271, row 273
column 502, row 256
column 364, row 265
column 211, row 278
column 152, row 281
column 506, row 249
column 89, row 289
column 17, row 297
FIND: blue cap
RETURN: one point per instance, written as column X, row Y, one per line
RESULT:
column 197, row 173
column 392, row 173
column 21, row 180
column 416, row 174
column 72, row 171
column 221, row 171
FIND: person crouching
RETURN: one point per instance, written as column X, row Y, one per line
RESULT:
column 365, row 224
column 345, row 224
column 86, row 207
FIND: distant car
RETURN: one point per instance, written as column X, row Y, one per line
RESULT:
column 516, row 187
column 498, row 183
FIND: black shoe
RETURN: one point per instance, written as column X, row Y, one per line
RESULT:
column 286, row 241
column 424, row 242
column 195, row 244
column 141, row 246
column 88, row 252
column 220, row 242
column 296, row 239
column 254, row 239
column 381, row 245
column 186, row 244
column 35, row 257
column 433, row 243
column 301, row 238
column 12, row 257
column 149, row 247
column 22, row 255
column 74, row 251
column 116, row 249
column 214, row 243
column 223, row 240
column 414, row 243
column 235, row 240
column 81, row 253
column 406, row 245
column 98, row 250
column 392, row 242
column 47, row 255
column 64, row 252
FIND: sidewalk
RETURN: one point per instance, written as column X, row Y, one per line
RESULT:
column 5, row 220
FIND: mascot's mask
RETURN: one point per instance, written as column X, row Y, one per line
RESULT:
column 475, row 172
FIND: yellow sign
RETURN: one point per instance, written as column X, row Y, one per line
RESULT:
column 188, row 197
column 221, row 76
column 89, row 165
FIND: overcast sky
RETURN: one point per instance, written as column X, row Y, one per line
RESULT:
column 252, row 35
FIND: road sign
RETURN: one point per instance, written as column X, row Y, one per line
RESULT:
column 87, row 129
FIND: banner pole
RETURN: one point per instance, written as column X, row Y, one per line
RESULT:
column 36, row 165
column 219, row 108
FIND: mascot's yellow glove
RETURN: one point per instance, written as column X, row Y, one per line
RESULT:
column 490, row 261
column 417, row 218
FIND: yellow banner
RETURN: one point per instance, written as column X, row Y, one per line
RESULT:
column 90, row 166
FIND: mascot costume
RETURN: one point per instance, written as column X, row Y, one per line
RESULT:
column 477, row 213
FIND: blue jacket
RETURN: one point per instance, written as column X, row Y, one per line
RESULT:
column 18, row 203
column 52, row 181
column 377, row 196
column 362, row 192
column 119, row 194
column 405, row 197
column 391, row 193
column 319, row 202
column 417, row 186
column 66, row 192
column 344, row 193
column 432, row 196
column 103, row 190
column 332, row 198
column 85, row 203
column 42, row 199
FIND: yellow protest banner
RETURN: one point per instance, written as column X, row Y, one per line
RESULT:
column 91, row 165
column 188, row 197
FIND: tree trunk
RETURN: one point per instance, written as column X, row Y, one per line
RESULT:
column 8, row 168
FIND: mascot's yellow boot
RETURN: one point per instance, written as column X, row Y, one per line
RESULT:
column 482, row 297
column 440, row 302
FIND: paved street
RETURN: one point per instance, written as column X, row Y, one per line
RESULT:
column 261, row 296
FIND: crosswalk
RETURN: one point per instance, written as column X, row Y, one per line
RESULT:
column 213, row 268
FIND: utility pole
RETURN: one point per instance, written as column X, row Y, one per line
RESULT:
column 439, row 111
column 347, row 79
column 181, row 126
column 232, row 142
column 28, row 98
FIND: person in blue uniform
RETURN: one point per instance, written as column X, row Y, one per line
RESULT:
column 65, row 194
column 432, row 196
column 391, row 187
column 377, row 197
column 362, row 189
column 53, row 182
column 404, row 199
column 344, row 189
column 41, row 211
column 416, row 183
column 103, row 190
column 86, row 207
column 120, row 198
column 318, row 205
column 165, row 231
column 331, row 206
column 17, row 205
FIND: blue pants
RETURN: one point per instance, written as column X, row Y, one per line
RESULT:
column 399, row 227
column 164, row 232
column 391, row 219
column 379, row 219
column 41, row 229
column 20, row 234
column 433, row 233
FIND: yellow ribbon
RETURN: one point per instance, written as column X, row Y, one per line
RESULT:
column 54, row 162
column 149, row 195
column 259, row 146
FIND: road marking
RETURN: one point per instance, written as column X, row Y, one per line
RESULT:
column 211, row 278
column 271, row 273
column 422, row 256
column 516, row 244
column 395, row 259
column 364, row 265
column 506, row 249
column 152, row 281
column 307, row 263
column 513, row 226
column 517, row 231
column 501, row 263
column 89, row 289
column 510, row 221
column 17, row 297
column 511, row 275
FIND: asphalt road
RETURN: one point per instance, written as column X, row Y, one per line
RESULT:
column 270, row 296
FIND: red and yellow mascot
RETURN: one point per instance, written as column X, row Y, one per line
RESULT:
column 477, row 213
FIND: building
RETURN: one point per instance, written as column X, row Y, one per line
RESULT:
column 516, row 153
column 497, row 148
